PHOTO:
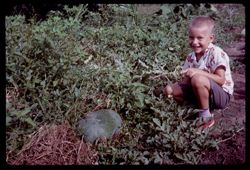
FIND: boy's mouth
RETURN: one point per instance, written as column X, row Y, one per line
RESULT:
column 196, row 48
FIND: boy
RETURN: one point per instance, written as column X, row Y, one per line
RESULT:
column 207, row 79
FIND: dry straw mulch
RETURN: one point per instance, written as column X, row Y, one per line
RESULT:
column 55, row 145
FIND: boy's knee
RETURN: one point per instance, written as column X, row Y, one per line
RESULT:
column 199, row 80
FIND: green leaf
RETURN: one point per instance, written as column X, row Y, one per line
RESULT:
column 163, row 126
column 180, row 156
column 136, row 84
column 8, row 120
column 55, row 82
column 8, row 105
column 158, row 159
column 34, row 106
column 141, row 97
column 157, row 122
column 165, row 9
column 20, row 113
column 30, row 121
column 77, row 92
column 195, row 147
column 184, row 124
column 42, row 83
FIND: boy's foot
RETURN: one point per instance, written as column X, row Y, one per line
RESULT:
column 205, row 122
column 167, row 90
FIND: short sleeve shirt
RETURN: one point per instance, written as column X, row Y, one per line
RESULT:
column 213, row 57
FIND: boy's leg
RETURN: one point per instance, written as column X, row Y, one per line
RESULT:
column 201, row 88
column 218, row 97
column 208, row 93
column 177, row 93
column 181, row 92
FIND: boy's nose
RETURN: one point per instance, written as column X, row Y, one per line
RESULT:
column 195, row 41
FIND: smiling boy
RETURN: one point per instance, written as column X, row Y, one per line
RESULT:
column 207, row 80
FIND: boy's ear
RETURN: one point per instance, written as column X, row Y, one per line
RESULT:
column 212, row 37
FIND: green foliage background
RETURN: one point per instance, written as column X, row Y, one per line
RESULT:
column 67, row 65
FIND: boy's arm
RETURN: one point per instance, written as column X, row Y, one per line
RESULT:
column 185, row 80
column 218, row 76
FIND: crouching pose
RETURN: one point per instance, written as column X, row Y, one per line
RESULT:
column 207, row 80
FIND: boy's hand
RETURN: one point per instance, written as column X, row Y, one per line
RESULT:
column 183, row 72
column 190, row 72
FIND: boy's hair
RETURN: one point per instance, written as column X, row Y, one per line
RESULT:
column 201, row 21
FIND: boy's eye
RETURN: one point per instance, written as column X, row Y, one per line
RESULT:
column 199, row 38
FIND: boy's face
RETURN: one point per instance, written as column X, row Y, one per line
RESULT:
column 199, row 39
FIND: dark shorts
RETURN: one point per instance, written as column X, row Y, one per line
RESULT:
column 218, row 98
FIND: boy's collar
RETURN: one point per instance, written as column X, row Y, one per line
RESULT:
column 210, row 45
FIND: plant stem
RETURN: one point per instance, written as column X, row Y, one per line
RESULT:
column 224, row 140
